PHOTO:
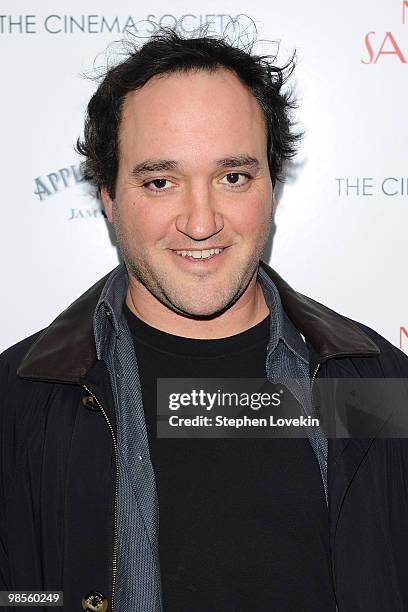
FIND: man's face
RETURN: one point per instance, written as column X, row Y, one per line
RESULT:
column 193, row 177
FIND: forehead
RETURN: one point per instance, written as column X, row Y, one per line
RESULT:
column 194, row 113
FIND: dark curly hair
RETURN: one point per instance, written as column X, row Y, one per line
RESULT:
column 167, row 51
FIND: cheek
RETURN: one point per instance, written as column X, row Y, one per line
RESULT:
column 253, row 214
column 144, row 223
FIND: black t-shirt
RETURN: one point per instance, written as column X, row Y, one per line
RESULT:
column 243, row 521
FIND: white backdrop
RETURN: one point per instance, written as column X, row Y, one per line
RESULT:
column 342, row 218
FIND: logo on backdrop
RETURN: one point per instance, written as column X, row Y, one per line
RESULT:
column 60, row 180
column 382, row 46
column 112, row 24
column 365, row 186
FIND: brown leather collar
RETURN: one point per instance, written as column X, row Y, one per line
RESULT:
column 65, row 350
column 330, row 334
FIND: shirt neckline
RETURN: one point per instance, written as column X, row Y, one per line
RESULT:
column 196, row 347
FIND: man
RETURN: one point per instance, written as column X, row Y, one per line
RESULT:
column 185, row 140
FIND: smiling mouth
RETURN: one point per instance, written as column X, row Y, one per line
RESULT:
column 200, row 254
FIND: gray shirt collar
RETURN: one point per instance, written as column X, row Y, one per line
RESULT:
column 108, row 316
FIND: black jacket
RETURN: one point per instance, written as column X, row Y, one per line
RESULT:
column 58, row 463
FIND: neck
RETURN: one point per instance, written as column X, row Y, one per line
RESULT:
column 247, row 311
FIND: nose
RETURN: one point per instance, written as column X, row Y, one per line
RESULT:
column 200, row 218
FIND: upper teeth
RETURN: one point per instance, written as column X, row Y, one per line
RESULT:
column 200, row 254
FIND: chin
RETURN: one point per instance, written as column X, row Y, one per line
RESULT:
column 196, row 308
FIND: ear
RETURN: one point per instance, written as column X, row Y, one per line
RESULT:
column 107, row 203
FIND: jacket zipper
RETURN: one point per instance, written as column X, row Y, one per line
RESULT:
column 115, row 533
column 314, row 374
column 311, row 394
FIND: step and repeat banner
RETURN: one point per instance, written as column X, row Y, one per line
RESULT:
column 342, row 217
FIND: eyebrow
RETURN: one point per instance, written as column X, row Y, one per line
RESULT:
column 162, row 165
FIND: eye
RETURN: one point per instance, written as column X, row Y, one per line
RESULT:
column 236, row 179
column 158, row 184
